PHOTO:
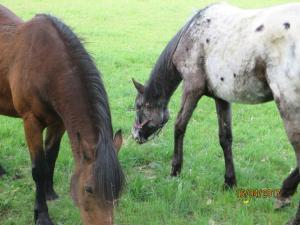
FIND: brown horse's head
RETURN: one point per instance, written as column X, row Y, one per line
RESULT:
column 151, row 115
column 94, row 208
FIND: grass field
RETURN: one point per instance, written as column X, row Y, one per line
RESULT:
column 125, row 39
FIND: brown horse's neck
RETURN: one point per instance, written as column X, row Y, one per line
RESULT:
column 74, row 109
column 8, row 17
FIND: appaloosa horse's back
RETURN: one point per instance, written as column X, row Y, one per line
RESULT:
column 49, row 80
column 231, row 55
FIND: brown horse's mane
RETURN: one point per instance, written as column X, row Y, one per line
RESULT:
column 108, row 175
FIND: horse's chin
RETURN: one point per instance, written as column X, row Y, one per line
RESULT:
column 140, row 140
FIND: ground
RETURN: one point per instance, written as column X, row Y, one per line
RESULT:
column 125, row 39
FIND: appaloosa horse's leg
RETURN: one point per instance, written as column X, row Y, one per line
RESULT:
column 296, row 220
column 2, row 171
column 192, row 92
column 288, row 102
column 34, row 137
column 291, row 117
column 225, row 137
column 292, row 124
column 52, row 144
column 288, row 189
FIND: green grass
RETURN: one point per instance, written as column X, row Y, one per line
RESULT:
column 125, row 38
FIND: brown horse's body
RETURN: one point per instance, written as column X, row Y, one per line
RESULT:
column 8, row 23
column 48, row 79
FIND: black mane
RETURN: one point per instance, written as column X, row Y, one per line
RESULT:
column 109, row 178
column 164, row 77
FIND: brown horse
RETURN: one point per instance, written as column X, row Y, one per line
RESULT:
column 230, row 55
column 49, row 80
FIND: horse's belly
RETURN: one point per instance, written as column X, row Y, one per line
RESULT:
column 241, row 88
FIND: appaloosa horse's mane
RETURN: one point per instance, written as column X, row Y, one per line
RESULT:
column 108, row 175
column 164, row 77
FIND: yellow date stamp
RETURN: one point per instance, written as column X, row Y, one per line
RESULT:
column 247, row 193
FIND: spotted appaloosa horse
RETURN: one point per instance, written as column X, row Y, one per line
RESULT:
column 231, row 55
column 49, row 80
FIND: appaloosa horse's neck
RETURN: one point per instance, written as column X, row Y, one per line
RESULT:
column 164, row 78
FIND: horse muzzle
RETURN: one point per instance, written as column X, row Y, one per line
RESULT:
column 142, row 133
column 137, row 137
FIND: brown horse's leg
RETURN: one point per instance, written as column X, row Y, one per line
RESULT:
column 34, row 137
column 192, row 92
column 2, row 171
column 225, row 137
column 52, row 143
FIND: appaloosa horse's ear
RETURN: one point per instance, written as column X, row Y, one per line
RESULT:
column 118, row 140
column 139, row 87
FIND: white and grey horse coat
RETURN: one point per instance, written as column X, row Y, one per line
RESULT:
column 246, row 54
column 231, row 55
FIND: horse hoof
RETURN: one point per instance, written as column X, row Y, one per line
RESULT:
column 229, row 183
column 51, row 195
column 282, row 202
column 44, row 220
column 175, row 171
column 228, row 186
column 293, row 222
column 2, row 171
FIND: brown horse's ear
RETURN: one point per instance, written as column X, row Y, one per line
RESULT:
column 118, row 140
column 139, row 87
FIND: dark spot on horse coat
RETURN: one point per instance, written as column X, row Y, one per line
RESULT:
column 208, row 20
column 222, row 78
column 234, row 75
column 260, row 28
column 287, row 25
column 207, row 40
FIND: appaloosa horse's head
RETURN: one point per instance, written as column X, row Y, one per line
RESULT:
column 151, row 114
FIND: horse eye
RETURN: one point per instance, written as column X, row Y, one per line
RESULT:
column 88, row 189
